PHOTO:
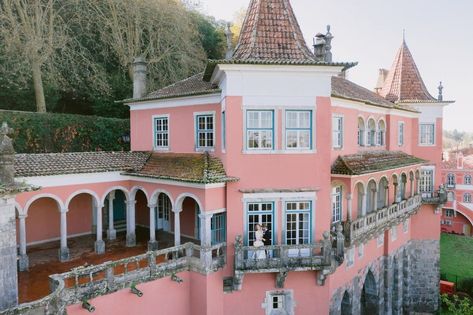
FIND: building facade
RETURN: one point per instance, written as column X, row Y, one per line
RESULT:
column 345, row 180
column 457, row 172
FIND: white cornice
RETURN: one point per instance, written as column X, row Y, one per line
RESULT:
column 361, row 106
column 206, row 99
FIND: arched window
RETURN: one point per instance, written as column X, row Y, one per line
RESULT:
column 371, row 133
column 467, row 179
column 467, row 198
column 381, row 133
column 361, row 131
column 451, row 180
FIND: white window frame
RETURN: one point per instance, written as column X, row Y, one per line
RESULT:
column 401, row 130
column 197, row 147
column 425, row 143
column 449, row 213
column 423, row 184
column 309, row 129
column 371, row 134
column 467, row 197
column 361, row 132
column 337, row 205
column 467, row 179
column 274, row 130
column 381, row 134
column 451, row 179
column 155, row 132
column 338, row 132
column 305, row 211
column 287, row 304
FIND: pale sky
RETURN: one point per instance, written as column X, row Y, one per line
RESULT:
column 439, row 34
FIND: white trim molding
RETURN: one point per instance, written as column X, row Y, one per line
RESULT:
column 193, row 100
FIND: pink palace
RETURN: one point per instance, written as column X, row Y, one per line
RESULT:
column 347, row 181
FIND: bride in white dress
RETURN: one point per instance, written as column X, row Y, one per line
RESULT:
column 259, row 254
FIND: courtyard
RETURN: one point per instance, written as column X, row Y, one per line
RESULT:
column 456, row 257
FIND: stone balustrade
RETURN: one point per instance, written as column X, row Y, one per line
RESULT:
column 323, row 256
column 367, row 227
column 438, row 197
column 87, row 282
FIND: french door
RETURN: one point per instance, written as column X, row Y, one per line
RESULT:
column 298, row 227
column 259, row 213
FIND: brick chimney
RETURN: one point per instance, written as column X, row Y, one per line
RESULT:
column 229, row 37
column 323, row 46
column 140, row 72
column 383, row 74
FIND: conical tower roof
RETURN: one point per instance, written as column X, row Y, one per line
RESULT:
column 404, row 82
column 270, row 32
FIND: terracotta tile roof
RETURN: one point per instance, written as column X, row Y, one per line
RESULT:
column 271, row 31
column 188, row 167
column 194, row 85
column 372, row 161
column 404, row 82
column 29, row 165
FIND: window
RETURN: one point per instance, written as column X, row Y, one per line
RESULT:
column 361, row 250
column 446, row 222
column 394, row 233
column 427, row 182
column 361, row 132
column 405, row 226
column 218, row 228
column 467, row 198
column 467, row 179
column 298, row 223
column 299, row 130
column 205, row 131
column 337, row 132
column 336, row 204
column 400, row 134
column 224, row 130
column 427, row 134
column 164, row 210
column 381, row 133
column 161, row 132
column 259, row 213
column 277, row 302
column 260, row 129
column 371, row 133
column 450, row 180
column 449, row 213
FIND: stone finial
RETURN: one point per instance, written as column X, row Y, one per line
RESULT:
column 440, row 97
column 328, row 45
column 140, row 72
column 229, row 37
column 7, row 157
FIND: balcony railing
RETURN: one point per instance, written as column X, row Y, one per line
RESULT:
column 438, row 197
column 323, row 256
column 372, row 224
column 84, row 283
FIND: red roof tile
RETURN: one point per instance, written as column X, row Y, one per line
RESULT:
column 404, row 82
column 270, row 31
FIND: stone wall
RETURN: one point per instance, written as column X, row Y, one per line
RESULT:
column 406, row 282
column 8, row 254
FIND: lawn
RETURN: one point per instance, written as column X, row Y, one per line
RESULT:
column 456, row 256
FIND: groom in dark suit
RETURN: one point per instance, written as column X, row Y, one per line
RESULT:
column 267, row 239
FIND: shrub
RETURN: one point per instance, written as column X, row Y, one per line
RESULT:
column 456, row 305
column 45, row 133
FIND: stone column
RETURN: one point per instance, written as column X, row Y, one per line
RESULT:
column 205, row 238
column 375, row 199
column 363, row 206
column 386, row 195
column 64, row 254
column 99, row 243
column 395, row 192
column 111, row 232
column 177, row 227
column 349, row 207
column 152, row 244
column 130, row 232
column 23, row 263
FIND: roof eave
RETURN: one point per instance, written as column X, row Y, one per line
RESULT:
column 158, row 98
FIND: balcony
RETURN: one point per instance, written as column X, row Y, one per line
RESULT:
column 84, row 283
column 438, row 197
column 323, row 256
column 367, row 227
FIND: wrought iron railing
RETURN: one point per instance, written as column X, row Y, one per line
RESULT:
column 84, row 283
column 373, row 223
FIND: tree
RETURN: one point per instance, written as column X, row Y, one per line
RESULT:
column 159, row 30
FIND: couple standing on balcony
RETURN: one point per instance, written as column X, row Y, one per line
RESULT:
column 262, row 238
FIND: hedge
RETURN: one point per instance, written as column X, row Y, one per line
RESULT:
column 45, row 133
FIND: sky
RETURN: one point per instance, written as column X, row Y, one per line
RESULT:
column 439, row 34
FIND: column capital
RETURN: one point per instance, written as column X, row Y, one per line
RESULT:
column 349, row 196
column 205, row 215
column 153, row 205
column 130, row 202
column 64, row 210
column 22, row 216
column 177, row 210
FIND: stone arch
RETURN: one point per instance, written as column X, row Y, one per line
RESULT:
column 371, row 190
column 94, row 195
column 466, row 216
column 369, row 299
column 157, row 192
column 18, row 210
column 371, row 132
column 382, row 192
column 403, row 185
column 121, row 188
column 411, row 181
column 58, row 200
column 381, row 132
column 180, row 200
column 360, row 198
column 361, row 131
column 135, row 190
column 346, row 305
column 396, row 193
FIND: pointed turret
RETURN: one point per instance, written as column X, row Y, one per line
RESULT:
column 270, row 32
column 404, row 82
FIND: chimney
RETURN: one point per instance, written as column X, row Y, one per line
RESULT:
column 140, row 71
column 7, row 157
column 440, row 97
column 460, row 160
column 323, row 46
column 383, row 74
column 229, row 37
